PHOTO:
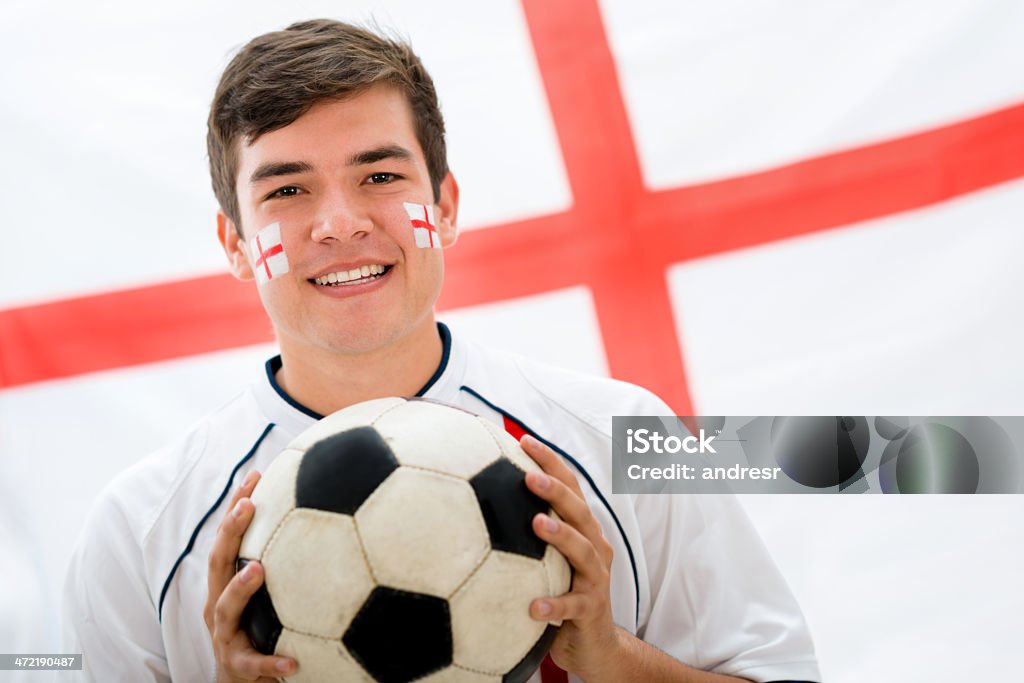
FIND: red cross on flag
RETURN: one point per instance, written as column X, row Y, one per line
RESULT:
column 268, row 257
column 422, row 217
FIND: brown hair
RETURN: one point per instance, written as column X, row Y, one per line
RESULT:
column 277, row 77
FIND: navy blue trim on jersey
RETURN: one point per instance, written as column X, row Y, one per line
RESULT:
column 586, row 475
column 195, row 532
column 446, row 352
column 274, row 364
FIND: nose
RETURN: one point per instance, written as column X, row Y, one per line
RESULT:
column 339, row 219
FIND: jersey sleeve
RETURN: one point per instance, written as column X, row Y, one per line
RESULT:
column 705, row 559
column 108, row 613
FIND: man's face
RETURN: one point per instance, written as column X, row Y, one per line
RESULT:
column 336, row 181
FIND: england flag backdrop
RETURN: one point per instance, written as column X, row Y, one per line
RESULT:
column 752, row 208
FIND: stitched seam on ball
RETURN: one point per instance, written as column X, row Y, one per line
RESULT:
column 373, row 423
column 430, row 470
column 471, row 574
column 481, row 671
column 359, row 543
column 501, row 448
column 310, row 635
column 334, row 642
column 470, row 669
column 274, row 534
column 362, row 551
column 482, row 528
column 263, row 553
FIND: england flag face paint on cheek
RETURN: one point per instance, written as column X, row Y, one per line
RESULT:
column 267, row 251
column 423, row 227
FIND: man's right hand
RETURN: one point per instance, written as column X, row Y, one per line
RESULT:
column 229, row 593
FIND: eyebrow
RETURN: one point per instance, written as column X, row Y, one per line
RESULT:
column 372, row 156
column 275, row 169
column 278, row 168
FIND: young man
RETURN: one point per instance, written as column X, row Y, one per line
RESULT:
column 325, row 144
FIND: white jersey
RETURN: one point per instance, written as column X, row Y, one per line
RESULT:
column 689, row 576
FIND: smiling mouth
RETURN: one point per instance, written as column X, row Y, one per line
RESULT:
column 356, row 276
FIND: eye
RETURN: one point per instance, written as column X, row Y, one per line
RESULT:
column 287, row 191
column 382, row 178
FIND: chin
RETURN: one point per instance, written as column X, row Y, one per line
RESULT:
column 364, row 339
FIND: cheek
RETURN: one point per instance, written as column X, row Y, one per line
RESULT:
column 399, row 228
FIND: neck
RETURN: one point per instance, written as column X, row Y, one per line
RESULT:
column 325, row 381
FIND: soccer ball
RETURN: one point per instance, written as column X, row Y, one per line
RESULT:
column 397, row 545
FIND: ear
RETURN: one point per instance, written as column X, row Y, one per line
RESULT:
column 234, row 247
column 449, row 206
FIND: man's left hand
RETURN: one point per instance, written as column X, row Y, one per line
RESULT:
column 588, row 641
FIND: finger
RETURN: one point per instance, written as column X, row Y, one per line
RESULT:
column 577, row 548
column 242, row 658
column 569, row 505
column 569, row 606
column 244, row 661
column 234, row 598
column 550, row 462
column 225, row 546
column 244, row 490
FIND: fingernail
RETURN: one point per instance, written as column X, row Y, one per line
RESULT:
column 237, row 511
column 249, row 478
column 531, row 441
column 283, row 665
column 541, row 480
column 550, row 525
column 248, row 571
column 543, row 608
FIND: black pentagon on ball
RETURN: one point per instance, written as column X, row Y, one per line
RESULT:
column 340, row 472
column 259, row 619
column 508, row 508
column 399, row 636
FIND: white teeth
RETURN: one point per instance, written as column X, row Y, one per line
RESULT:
column 344, row 277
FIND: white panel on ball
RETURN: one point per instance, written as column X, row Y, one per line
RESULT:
column 462, row 448
column 422, row 531
column 353, row 416
column 273, row 497
column 314, row 538
column 456, row 674
column 489, row 630
column 558, row 571
column 510, row 448
column 321, row 660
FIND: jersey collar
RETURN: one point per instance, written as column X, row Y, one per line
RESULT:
column 284, row 410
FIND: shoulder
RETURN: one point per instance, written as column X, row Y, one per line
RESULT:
column 136, row 500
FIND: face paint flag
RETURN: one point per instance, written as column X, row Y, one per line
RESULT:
column 422, row 217
column 268, row 257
